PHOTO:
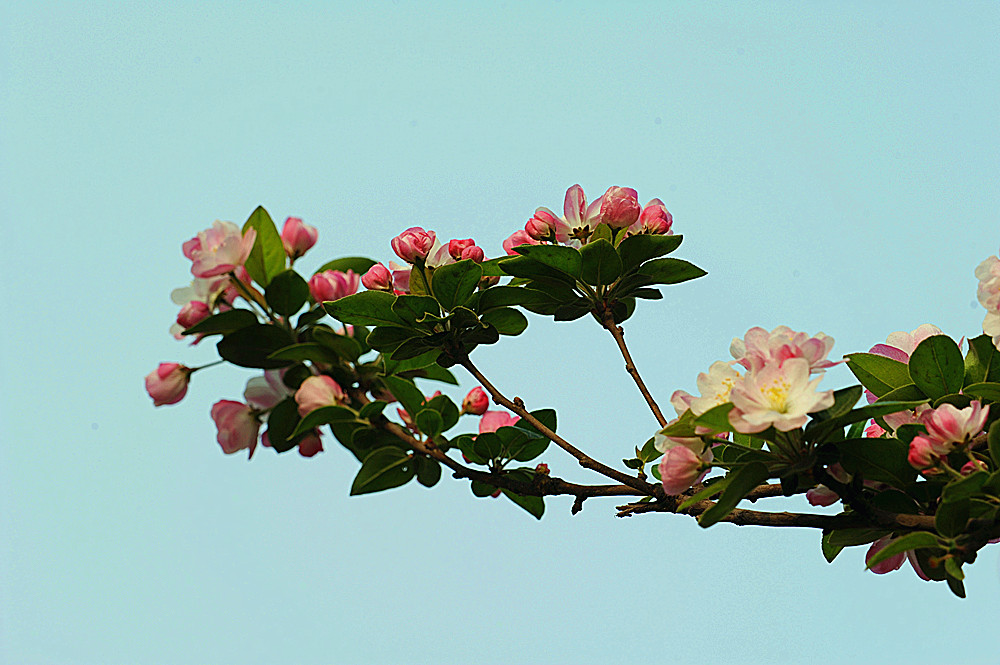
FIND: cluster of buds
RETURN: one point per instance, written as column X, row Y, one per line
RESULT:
column 948, row 429
column 419, row 249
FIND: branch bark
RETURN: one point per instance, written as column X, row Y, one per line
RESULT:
column 619, row 335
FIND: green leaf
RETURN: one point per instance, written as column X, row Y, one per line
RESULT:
column 428, row 471
column 359, row 264
column 956, row 586
column 409, row 396
column 907, row 393
column 372, row 409
column 287, row 292
column 455, row 283
column 707, row 492
column 993, row 440
column 843, row 401
column 572, row 311
column 443, row 405
column 383, row 469
column 252, row 346
column 506, row 320
column 987, row 390
column 488, row 446
column 368, row 308
column 344, row 346
column 388, row 338
column 546, row 417
column 745, row 479
column 878, row 459
column 281, row 425
column 878, row 373
column 830, row 551
column 636, row 250
column 481, row 489
column 982, row 362
column 413, row 309
column 954, row 570
column 305, row 351
column 323, row 416
column 602, row 232
column 535, row 505
column 223, row 322
column 670, row 271
column 429, row 422
column 937, row 367
column 558, row 257
column 600, row 263
column 819, row 430
column 267, row 258
column 957, row 490
column 951, row 517
column 505, row 296
column 437, row 373
column 911, row 541
column 853, row 537
column 648, row 453
column 717, row 418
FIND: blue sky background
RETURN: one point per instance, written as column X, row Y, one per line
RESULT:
column 834, row 167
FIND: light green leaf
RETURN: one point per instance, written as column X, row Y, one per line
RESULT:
column 267, row 258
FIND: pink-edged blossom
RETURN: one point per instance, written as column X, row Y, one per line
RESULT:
column 413, row 244
column 378, row 278
column 821, row 495
column 318, row 391
column 516, row 239
column 760, row 347
column 681, row 467
column 663, row 443
column 333, row 285
column 264, row 392
column 579, row 219
column 654, row 219
column 168, row 383
column 620, row 207
column 494, row 420
column 476, row 402
column 212, row 292
column 400, row 277
column 543, row 225
column 991, row 326
column 948, row 425
column 297, row 237
column 715, row 387
column 407, row 419
column 988, row 291
column 923, row 452
column 894, row 562
column 778, row 395
column 219, row 250
column 237, row 424
column 874, row 430
column 900, row 345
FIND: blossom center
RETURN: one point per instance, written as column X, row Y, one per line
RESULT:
column 775, row 395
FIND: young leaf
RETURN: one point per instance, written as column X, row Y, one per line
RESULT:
column 717, row 418
column 267, row 258
column 383, row 469
column 455, row 283
column 936, row 366
column 600, row 263
column 707, row 492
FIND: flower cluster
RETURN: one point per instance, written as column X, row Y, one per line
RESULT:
column 419, row 249
column 988, row 293
column 948, row 429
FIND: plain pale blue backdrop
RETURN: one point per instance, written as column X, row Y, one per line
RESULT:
column 834, row 166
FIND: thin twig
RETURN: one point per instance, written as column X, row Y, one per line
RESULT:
column 619, row 335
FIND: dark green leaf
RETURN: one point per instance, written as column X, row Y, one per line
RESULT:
column 707, row 492
column 907, row 393
column 937, row 367
column 422, row 361
column 287, row 292
column 323, row 416
column 437, row 373
column 957, row 490
column 447, row 409
column 412, row 348
column 572, row 311
column 647, row 293
column 546, row 417
column 600, row 263
column 670, row 271
column 359, row 264
column 223, row 322
column 957, row 586
column 881, row 459
column 852, row 537
column 488, row 446
column 455, row 283
column 267, row 258
column 310, row 317
column 911, row 541
column 878, row 373
column 602, row 232
column 251, row 346
column 830, row 551
column 982, row 362
column 506, row 320
column 636, row 250
column 746, row 478
column 429, row 422
column 372, row 409
column 344, row 346
column 281, row 423
column 306, row 351
column 717, row 418
column 409, row 395
column 505, row 296
column 648, row 453
column 843, row 401
column 535, row 505
column 993, row 440
column 383, row 469
column 368, row 308
column 481, row 489
column 412, row 309
column 564, row 259
column 428, row 471
column 388, row 338
column 987, row 390
column 955, row 399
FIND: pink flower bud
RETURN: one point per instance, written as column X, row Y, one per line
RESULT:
column 542, row 469
column 516, row 239
column 922, row 454
column 543, row 225
column 237, row 424
column 194, row 312
column 971, row 467
column 400, row 277
column 407, row 419
column 297, row 237
column 821, row 495
column 680, row 468
column 412, row 244
column 332, row 285
column 494, row 420
column 620, row 207
column 318, row 391
column 456, row 247
column 168, row 383
column 311, row 444
column 654, row 219
column 890, row 564
column 474, row 253
column 476, row 402
column 378, row 278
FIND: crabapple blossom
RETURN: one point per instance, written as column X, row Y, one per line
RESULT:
column 400, row 277
column 923, row 452
column 715, row 387
column 297, row 237
column 759, row 348
column 237, row 425
column 192, row 313
column 219, row 250
column 413, row 244
column 948, row 425
column 318, row 391
column 476, row 402
column 778, row 395
column 457, row 246
column 681, row 468
column 888, row 565
column 494, row 420
column 821, row 495
column 333, row 285
column 311, row 444
column 378, row 278
column 168, row 383
column 264, row 392
column 654, row 219
column 579, row 219
column 900, row 345
column 988, row 291
column 620, row 207
column 543, row 225
column 516, row 239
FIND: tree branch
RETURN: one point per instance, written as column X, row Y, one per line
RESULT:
column 619, row 335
